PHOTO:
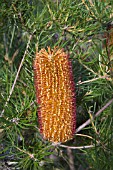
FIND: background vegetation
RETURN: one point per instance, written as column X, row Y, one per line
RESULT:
column 84, row 29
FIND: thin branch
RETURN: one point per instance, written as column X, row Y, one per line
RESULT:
column 32, row 103
column 94, row 79
column 72, row 147
column 20, row 66
column 77, row 147
column 71, row 159
column 24, row 151
column 14, row 55
column 89, row 69
column 83, row 135
column 97, row 114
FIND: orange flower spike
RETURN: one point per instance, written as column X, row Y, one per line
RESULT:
column 55, row 93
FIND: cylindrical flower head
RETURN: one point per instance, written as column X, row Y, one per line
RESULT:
column 55, row 93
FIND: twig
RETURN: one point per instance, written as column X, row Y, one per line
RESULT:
column 83, row 135
column 24, row 151
column 14, row 55
column 20, row 66
column 32, row 103
column 76, row 147
column 71, row 159
column 97, row 114
column 94, row 79
column 88, row 68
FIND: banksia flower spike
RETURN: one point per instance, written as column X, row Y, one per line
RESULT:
column 55, row 94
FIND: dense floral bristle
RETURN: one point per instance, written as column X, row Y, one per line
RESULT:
column 55, row 93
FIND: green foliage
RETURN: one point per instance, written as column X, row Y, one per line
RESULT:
column 79, row 27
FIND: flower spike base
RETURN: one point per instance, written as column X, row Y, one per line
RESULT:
column 55, row 95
